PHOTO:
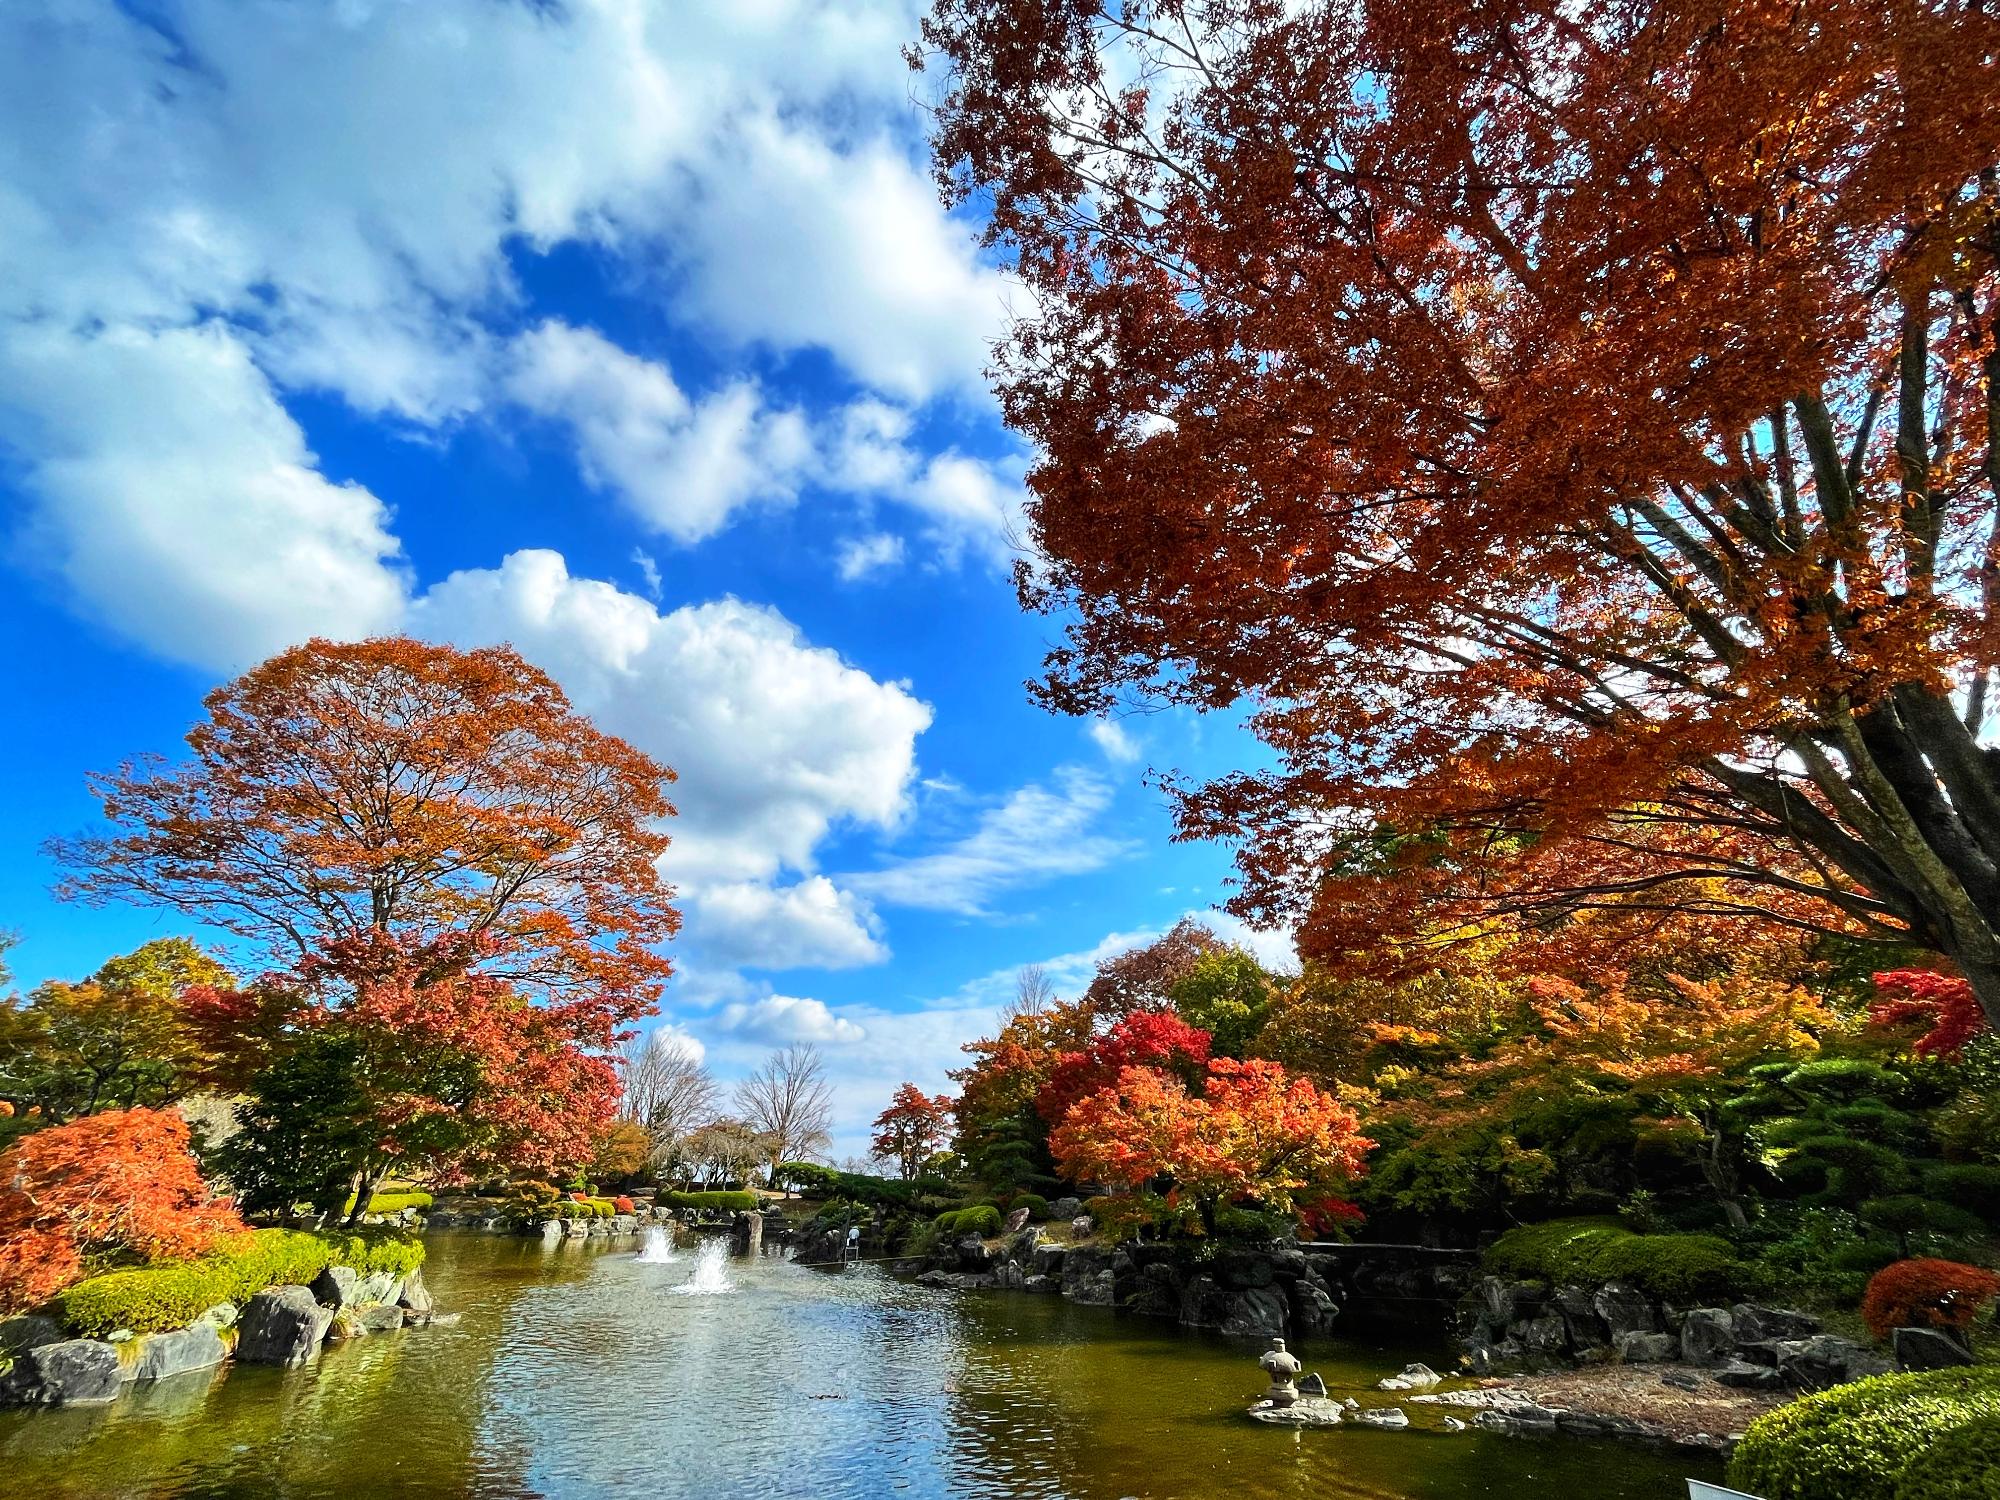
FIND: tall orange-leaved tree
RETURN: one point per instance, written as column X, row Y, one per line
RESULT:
column 1577, row 431
column 422, row 839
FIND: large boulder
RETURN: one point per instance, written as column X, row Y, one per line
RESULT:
column 1818, row 1362
column 1547, row 1335
column 1048, row 1260
column 197, row 1347
column 1086, row 1275
column 282, row 1325
column 1756, row 1324
column 1745, row 1376
column 1624, row 1309
column 416, row 1296
column 1501, row 1301
column 972, row 1253
column 1204, row 1302
column 1155, row 1291
column 1646, row 1348
column 1579, row 1313
column 378, row 1287
column 1245, row 1268
column 1259, row 1311
column 1065, row 1208
column 1708, row 1334
column 335, row 1286
column 28, row 1331
column 71, row 1372
column 1927, row 1349
column 1016, row 1221
column 1313, row 1307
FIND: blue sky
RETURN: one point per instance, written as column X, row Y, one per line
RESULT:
column 631, row 333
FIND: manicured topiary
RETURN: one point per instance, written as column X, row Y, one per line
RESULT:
column 1036, row 1205
column 982, row 1219
column 1926, row 1294
column 1972, row 1186
column 1861, row 1441
column 1964, row 1464
column 1681, row 1268
column 623, row 1204
column 727, row 1203
column 396, row 1202
column 154, row 1298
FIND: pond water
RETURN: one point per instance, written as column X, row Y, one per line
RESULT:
column 587, row 1370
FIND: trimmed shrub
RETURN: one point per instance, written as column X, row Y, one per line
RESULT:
column 1681, row 1268
column 982, row 1219
column 1861, row 1441
column 152, row 1299
column 1036, row 1205
column 395, row 1203
column 1969, row 1186
column 1905, row 1214
column 1964, row 1464
column 624, row 1205
column 1926, row 1294
column 726, row 1203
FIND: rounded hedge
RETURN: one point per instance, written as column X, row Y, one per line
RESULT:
column 982, row 1219
column 1964, row 1464
column 731, row 1203
column 1864, row 1441
column 1684, row 1268
column 152, row 1299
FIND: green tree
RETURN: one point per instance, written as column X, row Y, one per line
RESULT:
column 1227, row 993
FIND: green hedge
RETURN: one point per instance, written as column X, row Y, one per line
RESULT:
column 1679, row 1267
column 395, row 1203
column 155, row 1298
column 1962, row 1465
column 728, row 1203
column 1877, row 1439
column 982, row 1219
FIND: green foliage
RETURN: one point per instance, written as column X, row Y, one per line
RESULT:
column 705, row 1203
column 1968, row 1128
column 380, row 1202
column 1907, row 1214
column 982, row 1219
column 1974, row 1187
column 1964, row 1464
column 301, row 1133
column 923, row 1238
column 1036, row 1205
column 859, row 1187
column 1863, row 1441
column 1237, row 1223
column 1679, row 1267
column 1227, row 993
column 156, row 1298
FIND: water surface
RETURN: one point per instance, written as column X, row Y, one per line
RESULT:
column 580, row 1371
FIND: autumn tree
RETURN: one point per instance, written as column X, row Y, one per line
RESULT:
column 912, row 1129
column 789, row 1102
column 723, row 1150
column 1577, row 432
column 415, row 836
column 1228, row 994
column 999, row 1133
column 119, row 1185
column 1143, row 978
column 1034, row 992
column 1143, row 1039
column 116, row 1040
column 1251, row 1134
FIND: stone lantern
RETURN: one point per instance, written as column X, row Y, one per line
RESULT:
column 1283, row 1367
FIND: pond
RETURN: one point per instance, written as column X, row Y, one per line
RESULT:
column 584, row 1370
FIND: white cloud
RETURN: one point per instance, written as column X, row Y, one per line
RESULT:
column 649, row 570
column 1035, row 834
column 776, row 742
column 1112, row 738
column 811, row 923
column 861, row 556
column 784, row 1019
column 174, row 492
column 684, row 468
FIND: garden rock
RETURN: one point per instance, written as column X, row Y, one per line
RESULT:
column 1081, row 1225
column 1646, row 1348
column 1313, row 1307
column 1017, row 1221
column 282, row 1326
column 1818, row 1362
column 1544, row 1335
column 222, row 1315
column 1754, row 1323
column 1927, row 1349
column 1307, row 1411
column 1384, row 1416
column 71, row 1372
column 1204, row 1303
column 1312, row 1385
column 1707, row 1336
column 1586, row 1329
column 378, row 1287
column 28, row 1331
column 1065, row 1208
column 1259, row 1310
column 196, row 1347
column 416, row 1296
column 1154, row 1292
column 1624, row 1309
column 335, row 1286
column 1417, row 1377
column 1047, row 1260
column 1748, row 1377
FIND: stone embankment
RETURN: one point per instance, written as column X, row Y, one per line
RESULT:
column 281, row 1325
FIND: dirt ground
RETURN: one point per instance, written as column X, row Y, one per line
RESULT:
column 1638, row 1392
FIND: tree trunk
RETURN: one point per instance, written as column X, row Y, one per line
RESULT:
column 364, row 1189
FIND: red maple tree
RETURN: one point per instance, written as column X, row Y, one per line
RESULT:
column 121, row 1184
column 1143, row 1039
column 912, row 1129
column 1944, row 1003
column 1573, row 430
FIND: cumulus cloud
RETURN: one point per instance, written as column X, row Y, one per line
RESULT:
column 861, row 556
column 781, row 1020
column 1034, row 834
column 179, row 497
column 776, row 741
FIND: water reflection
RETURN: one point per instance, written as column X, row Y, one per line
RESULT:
column 578, row 1372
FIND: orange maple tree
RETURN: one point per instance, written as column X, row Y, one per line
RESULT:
column 399, row 790
column 121, row 1184
column 1576, row 431
column 1252, row 1134
column 1926, row 1293
column 912, row 1129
